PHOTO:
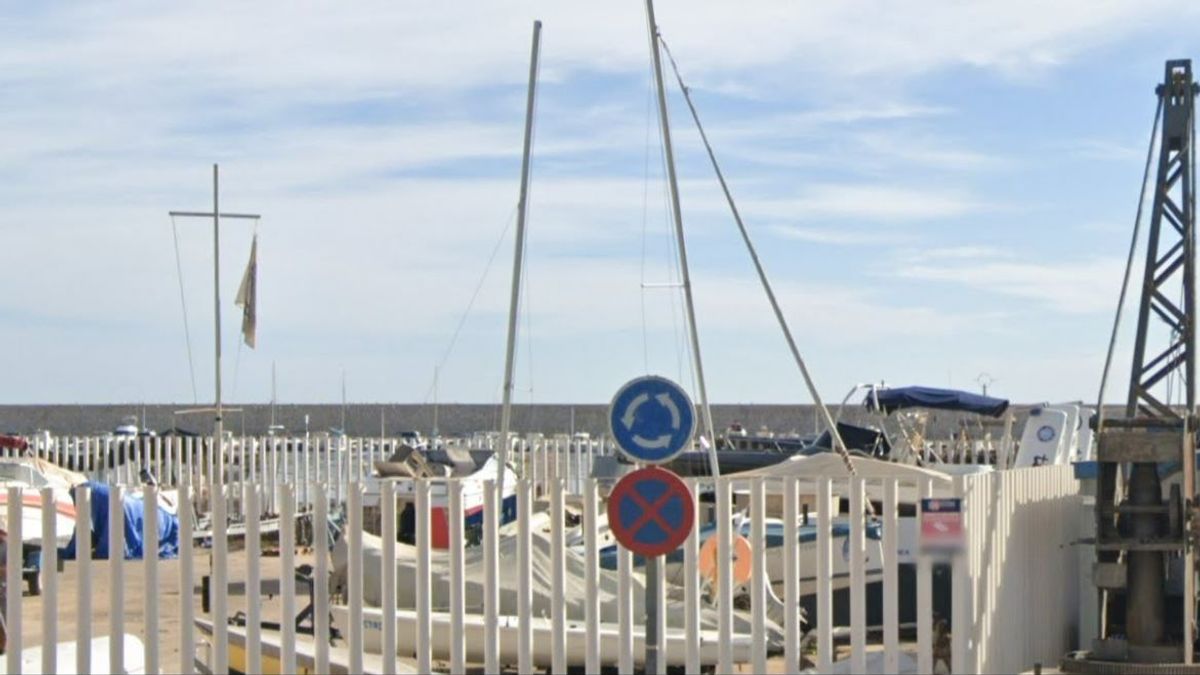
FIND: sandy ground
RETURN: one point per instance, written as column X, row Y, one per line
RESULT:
column 166, row 594
column 169, row 602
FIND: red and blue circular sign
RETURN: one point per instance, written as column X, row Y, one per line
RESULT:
column 650, row 511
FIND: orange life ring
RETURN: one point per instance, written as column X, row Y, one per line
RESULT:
column 742, row 556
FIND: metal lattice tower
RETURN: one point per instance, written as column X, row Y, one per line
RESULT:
column 1144, row 550
column 1168, row 286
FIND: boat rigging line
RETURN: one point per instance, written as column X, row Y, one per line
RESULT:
column 462, row 320
column 1137, row 224
column 838, row 443
column 187, row 333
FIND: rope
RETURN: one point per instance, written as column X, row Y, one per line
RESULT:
column 187, row 333
column 462, row 320
column 838, row 445
column 1137, row 224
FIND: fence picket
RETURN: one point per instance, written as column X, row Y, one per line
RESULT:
column 591, row 578
column 187, row 645
column 724, row 577
column 13, row 562
column 891, row 578
column 49, row 566
column 287, row 578
column 388, row 575
column 691, row 588
column 253, row 584
column 458, row 660
column 558, row 573
column 524, row 581
column 625, row 610
column 116, row 600
column 83, row 567
column 150, row 564
column 758, row 576
column 858, row 579
column 354, row 579
column 825, row 655
column 422, row 544
column 791, row 576
column 321, row 581
column 493, row 498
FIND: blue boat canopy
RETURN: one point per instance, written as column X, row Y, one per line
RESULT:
column 899, row 398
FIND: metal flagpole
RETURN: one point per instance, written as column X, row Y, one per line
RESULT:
column 218, row 407
column 518, row 257
column 665, row 126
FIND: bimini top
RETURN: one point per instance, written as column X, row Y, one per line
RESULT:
column 899, row 398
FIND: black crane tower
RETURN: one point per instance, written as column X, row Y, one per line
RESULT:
column 1144, row 548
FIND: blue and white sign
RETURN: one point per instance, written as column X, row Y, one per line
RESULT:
column 652, row 419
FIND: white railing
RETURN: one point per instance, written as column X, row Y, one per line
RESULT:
column 270, row 461
column 1012, row 591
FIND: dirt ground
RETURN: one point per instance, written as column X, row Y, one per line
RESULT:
column 166, row 594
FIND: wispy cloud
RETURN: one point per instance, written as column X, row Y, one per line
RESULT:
column 837, row 236
column 874, row 202
column 1081, row 286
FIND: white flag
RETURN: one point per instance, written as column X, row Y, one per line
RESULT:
column 247, row 295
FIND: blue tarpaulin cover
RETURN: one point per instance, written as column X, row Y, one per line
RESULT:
column 890, row 400
column 134, row 508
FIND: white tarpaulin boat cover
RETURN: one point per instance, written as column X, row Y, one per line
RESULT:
column 574, row 587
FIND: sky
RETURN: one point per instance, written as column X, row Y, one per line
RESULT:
column 942, row 193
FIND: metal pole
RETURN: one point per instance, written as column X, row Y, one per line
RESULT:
column 651, row 666
column 677, row 216
column 518, row 258
column 218, row 428
column 838, row 444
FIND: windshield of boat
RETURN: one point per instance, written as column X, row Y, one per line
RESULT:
column 12, row 472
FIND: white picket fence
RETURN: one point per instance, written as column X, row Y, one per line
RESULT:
column 1014, row 587
column 304, row 461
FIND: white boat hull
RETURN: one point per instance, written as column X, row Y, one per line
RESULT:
column 543, row 633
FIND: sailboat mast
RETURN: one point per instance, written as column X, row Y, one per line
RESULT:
column 435, row 401
column 272, row 396
column 518, row 258
column 219, row 425
column 677, row 217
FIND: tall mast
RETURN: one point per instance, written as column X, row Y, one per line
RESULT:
column 272, row 393
column 216, row 215
column 343, row 401
column 518, row 257
column 435, row 401
column 218, row 426
column 677, row 216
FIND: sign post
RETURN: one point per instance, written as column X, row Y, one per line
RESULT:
column 650, row 510
column 942, row 526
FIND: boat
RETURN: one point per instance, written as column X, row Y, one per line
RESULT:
column 542, row 628
column 31, row 475
column 673, row 567
column 575, row 598
column 271, row 650
column 65, row 654
column 470, row 467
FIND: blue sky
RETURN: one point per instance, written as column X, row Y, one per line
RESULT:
column 938, row 190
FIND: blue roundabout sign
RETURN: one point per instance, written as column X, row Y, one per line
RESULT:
column 652, row 419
